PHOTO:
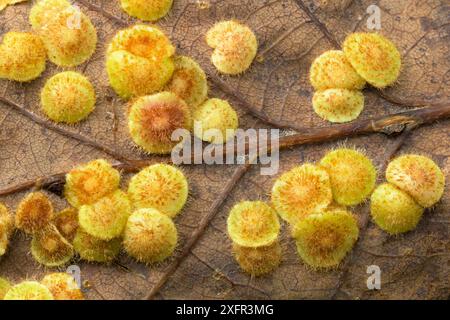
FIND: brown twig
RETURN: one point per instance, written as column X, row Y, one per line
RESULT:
column 228, row 90
column 67, row 133
column 335, row 43
column 390, row 124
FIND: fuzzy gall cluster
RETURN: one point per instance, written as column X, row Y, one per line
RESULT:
column 67, row 37
column 100, row 211
column 253, row 227
column 68, row 97
column 158, row 193
column 169, row 92
column 312, row 198
column 235, row 46
column 414, row 183
column 339, row 76
column 54, row 286
column 67, row 33
column 109, row 218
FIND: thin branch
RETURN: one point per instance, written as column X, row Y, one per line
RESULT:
column 231, row 92
column 390, row 124
column 103, row 12
column 67, row 133
column 396, row 145
column 403, row 122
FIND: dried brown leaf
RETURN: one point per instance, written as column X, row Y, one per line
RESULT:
column 291, row 34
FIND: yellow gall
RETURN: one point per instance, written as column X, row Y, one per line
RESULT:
column 22, row 56
column 34, row 212
column 188, row 81
column 68, row 97
column 66, row 222
column 333, row 206
column 147, row 10
column 258, row 261
column 50, row 248
column 106, row 218
column 67, row 33
column 159, row 186
column 90, row 182
column 133, row 76
column 153, row 119
column 352, row 175
column 62, row 286
column 5, row 285
column 203, row 4
column 234, row 45
column 5, row 3
column 300, row 192
column 393, row 210
column 324, row 239
column 331, row 70
column 150, row 236
column 334, row 7
column 29, row 290
column 215, row 121
column 44, row 10
column 338, row 105
column 92, row 249
column 253, row 224
column 146, row 41
column 6, row 228
column 374, row 57
column 139, row 61
column 419, row 176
